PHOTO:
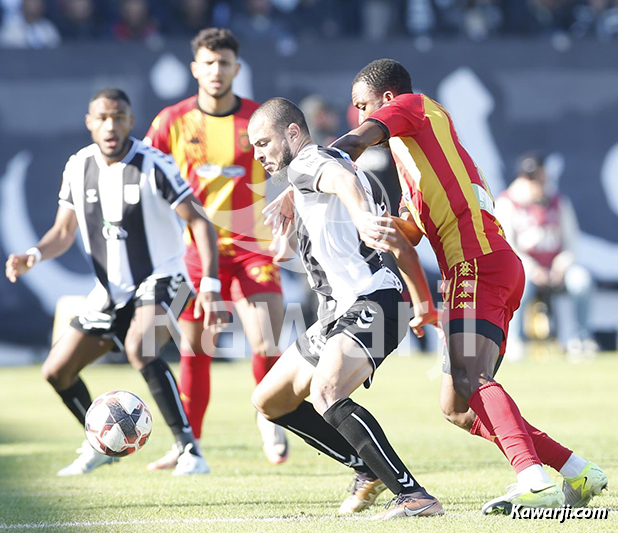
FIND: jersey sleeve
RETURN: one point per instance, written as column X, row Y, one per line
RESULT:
column 65, row 196
column 169, row 182
column 402, row 116
column 159, row 133
column 306, row 170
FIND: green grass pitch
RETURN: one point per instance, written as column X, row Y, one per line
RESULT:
column 576, row 404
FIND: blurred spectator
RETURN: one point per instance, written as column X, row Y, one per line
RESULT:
column 79, row 20
column 29, row 28
column 135, row 22
column 482, row 18
column 260, row 21
column 191, row 16
column 323, row 120
column 542, row 228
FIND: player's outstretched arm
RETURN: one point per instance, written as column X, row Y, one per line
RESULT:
column 53, row 244
column 208, row 299
column 358, row 140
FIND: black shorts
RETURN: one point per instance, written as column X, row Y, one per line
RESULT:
column 113, row 324
column 372, row 321
column 476, row 326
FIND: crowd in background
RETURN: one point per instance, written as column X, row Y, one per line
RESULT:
column 48, row 23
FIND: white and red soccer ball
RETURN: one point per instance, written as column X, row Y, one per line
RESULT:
column 118, row 423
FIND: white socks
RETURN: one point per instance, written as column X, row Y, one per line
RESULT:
column 532, row 476
column 573, row 466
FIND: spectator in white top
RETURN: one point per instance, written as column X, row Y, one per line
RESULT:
column 29, row 28
column 542, row 228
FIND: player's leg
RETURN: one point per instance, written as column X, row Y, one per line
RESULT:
column 583, row 479
column 143, row 345
column 73, row 351
column 473, row 358
column 262, row 317
column 195, row 362
column 280, row 397
column 343, row 367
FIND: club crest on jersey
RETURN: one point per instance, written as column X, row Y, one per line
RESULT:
column 243, row 141
column 113, row 231
column 91, row 196
column 131, row 193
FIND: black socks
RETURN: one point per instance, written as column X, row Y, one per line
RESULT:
column 363, row 432
column 163, row 388
column 77, row 399
column 315, row 431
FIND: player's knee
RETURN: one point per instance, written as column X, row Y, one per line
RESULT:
column 461, row 420
column 55, row 376
column 322, row 395
column 133, row 350
column 267, row 403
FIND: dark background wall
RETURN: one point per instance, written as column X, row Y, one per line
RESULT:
column 505, row 97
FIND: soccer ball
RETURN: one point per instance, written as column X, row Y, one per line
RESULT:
column 118, row 423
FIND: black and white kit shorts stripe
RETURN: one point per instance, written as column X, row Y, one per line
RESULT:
column 113, row 324
column 372, row 321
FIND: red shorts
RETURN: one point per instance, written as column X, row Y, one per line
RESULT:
column 488, row 288
column 241, row 277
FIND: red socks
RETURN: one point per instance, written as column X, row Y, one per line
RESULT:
column 262, row 364
column 550, row 452
column 194, row 385
column 501, row 417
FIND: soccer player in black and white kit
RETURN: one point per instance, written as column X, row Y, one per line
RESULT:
column 357, row 322
column 126, row 198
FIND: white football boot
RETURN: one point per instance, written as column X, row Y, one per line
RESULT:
column 88, row 460
column 190, row 464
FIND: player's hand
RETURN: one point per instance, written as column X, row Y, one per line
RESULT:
column 280, row 212
column 210, row 305
column 374, row 230
column 283, row 245
column 17, row 265
column 421, row 319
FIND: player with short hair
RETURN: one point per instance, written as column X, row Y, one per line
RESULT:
column 447, row 199
column 207, row 136
column 126, row 198
column 357, row 324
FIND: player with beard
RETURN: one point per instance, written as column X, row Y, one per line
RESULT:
column 357, row 324
column 207, row 136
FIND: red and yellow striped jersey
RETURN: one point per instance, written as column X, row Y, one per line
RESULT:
column 442, row 187
column 215, row 157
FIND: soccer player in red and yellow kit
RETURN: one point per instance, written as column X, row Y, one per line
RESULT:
column 449, row 202
column 207, row 136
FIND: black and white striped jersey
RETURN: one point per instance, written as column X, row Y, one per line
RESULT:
column 340, row 267
column 126, row 218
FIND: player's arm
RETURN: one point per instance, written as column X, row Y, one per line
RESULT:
column 413, row 274
column 205, row 237
column 358, row 140
column 53, row 244
column 337, row 180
